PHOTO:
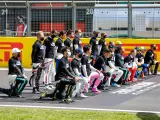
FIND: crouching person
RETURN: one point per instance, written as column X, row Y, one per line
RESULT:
column 129, row 63
column 66, row 77
column 89, row 71
column 150, row 59
column 76, row 66
column 140, row 62
column 119, row 62
column 100, row 64
column 17, row 79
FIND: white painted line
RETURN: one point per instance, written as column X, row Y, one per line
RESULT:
column 25, row 69
column 133, row 88
column 78, row 108
column 146, row 89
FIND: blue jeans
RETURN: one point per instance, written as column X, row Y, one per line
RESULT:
column 144, row 69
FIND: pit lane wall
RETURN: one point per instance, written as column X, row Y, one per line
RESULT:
column 25, row 44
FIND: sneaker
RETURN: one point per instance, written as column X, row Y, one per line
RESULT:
column 49, row 87
column 115, row 85
column 95, row 90
column 125, row 83
column 83, row 96
column 154, row 73
column 68, row 99
column 35, row 91
column 20, row 96
column 85, row 91
column 107, row 88
column 43, row 95
column 134, row 80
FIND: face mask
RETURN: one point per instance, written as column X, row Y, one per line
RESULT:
column 53, row 36
column 105, row 36
column 80, row 56
column 68, row 54
column 42, row 38
column 96, row 35
column 80, row 34
column 19, row 54
column 154, row 48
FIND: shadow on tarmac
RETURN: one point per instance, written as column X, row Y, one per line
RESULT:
column 148, row 116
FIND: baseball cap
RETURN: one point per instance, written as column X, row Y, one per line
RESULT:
column 118, row 42
column 15, row 50
column 106, row 50
column 142, row 48
column 111, row 46
column 137, row 48
column 78, row 51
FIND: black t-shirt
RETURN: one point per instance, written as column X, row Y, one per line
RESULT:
column 59, row 43
column 140, row 57
column 64, row 69
column 103, row 44
column 12, row 63
column 77, row 41
column 119, row 60
column 38, row 51
column 129, row 59
column 107, row 60
column 94, row 44
column 76, row 64
column 49, row 43
column 100, row 63
column 68, row 42
column 149, row 57
column 86, row 61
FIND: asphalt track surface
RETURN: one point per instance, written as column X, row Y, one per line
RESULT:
column 141, row 96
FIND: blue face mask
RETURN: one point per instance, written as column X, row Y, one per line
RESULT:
column 80, row 34
column 68, row 54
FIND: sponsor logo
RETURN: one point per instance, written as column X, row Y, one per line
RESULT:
column 5, row 50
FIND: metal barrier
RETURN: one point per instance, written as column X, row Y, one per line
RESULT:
column 117, row 18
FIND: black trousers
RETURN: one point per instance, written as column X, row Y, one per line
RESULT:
column 17, row 89
column 60, row 89
column 156, row 66
column 37, row 77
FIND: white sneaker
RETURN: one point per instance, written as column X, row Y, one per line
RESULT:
column 118, row 85
column 83, row 96
column 49, row 87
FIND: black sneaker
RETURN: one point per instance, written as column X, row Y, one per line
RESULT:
column 35, row 91
column 154, row 73
column 20, row 96
column 126, row 83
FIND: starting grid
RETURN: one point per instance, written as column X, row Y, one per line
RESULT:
column 137, row 89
